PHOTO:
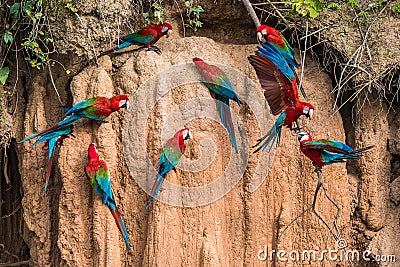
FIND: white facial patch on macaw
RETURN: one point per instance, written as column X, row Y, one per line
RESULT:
column 306, row 109
column 95, row 148
column 302, row 136
column 186, row 134
column 123, row 102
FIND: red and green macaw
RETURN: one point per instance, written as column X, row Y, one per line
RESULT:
column 99, row 177
column 171, row 154
column 53, row 140
column 218, row 82
column 146, row 37
column 96, row 108
column 267, row 34
column 280, row 89
column 325, row 151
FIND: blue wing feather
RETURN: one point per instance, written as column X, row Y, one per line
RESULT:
column 271, row 52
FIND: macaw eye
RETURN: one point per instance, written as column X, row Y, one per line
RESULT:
column 306, row 109
column 264, row 31
column 164, row 29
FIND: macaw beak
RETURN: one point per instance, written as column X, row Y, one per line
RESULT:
column 310, row 113
column 169, row 33
column 260, row 37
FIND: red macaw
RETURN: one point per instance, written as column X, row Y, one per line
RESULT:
column 146, row 37
column 96, row 108
column 267, row 34
column 218, row 82
column 280, row 89
column 100, row 179
column 171, row 154
column 325, row 151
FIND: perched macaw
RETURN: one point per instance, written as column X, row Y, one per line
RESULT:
column 267, row 34
column 99, row 177
column 218, row 82
column 146, row 37
column 280, row 89
column 96, row 108
column 171, row 154
column 53, row 140
column 325, row 151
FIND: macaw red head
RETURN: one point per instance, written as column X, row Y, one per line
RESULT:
column 185, row 133
column 181, row 136
column 119, row 101
column 166, row 29
column 93, row 154
column 304, row 137
column 262, row 32
column 308, row 110
column 199, row 62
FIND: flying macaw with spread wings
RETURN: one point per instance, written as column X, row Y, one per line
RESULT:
column 280, row 89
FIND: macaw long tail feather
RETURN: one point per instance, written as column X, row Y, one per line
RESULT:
column 65, row 122
column 355, row 154
column 49, row 164
column 226, row 118
column 155, row 190
column 121, row 226
column 273, row 135
column 108, row 51
column 361, row 150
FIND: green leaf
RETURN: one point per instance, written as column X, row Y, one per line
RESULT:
column 199, row 9
column 8, row 38
column 333, row 5
column 313, row 13
column 15, row 9
column 4, row 74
